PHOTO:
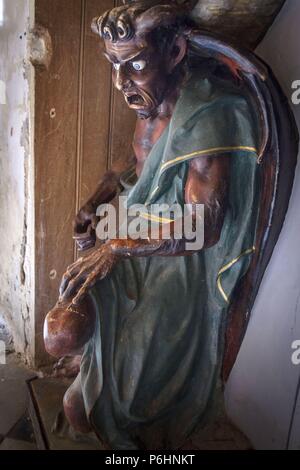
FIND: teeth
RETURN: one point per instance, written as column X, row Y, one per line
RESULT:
column 134, row 99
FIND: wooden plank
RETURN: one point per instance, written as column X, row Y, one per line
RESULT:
column 81, row 126
column 45, row 406
column 95, row 104
column 39, row 432
column 55, row 154
column 122, row 125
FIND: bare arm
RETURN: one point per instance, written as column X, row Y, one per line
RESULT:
column 207, row 184
column 110, row 183
column 108, row 187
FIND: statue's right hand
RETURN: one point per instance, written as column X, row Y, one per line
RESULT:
column 85, row 272
column 84, row 227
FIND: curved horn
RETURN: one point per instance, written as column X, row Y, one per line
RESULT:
column 159, row 15
column 243, row 65
column 221, row 50
column 98, row 22
column 146, row 14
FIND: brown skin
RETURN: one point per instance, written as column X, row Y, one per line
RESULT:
column 207, row 180
column 148, row 92
column 160, row 103
column 74, row 407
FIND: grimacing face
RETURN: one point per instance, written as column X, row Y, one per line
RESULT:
column 140, row 73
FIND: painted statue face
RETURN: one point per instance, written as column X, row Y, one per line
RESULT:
column 140, row 73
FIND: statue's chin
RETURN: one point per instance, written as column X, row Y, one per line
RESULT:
column 144, row 112
column 149, row 110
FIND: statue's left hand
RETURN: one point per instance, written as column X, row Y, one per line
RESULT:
column 85, row 272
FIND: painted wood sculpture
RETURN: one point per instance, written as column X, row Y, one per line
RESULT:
column 157, row 325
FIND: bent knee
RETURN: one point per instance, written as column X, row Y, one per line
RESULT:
column 74, row 408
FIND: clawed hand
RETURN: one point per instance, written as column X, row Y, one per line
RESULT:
column 85, row 272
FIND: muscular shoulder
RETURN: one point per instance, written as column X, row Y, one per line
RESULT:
column 209, row 167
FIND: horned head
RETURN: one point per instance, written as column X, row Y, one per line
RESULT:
column 138, row 18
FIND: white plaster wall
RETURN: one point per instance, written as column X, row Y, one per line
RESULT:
column 16, row 174
column 262, row 389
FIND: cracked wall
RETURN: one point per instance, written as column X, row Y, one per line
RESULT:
column 16, row 176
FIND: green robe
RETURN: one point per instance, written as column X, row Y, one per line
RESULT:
column 150, row 371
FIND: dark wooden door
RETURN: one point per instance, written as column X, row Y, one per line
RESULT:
column 81, row 126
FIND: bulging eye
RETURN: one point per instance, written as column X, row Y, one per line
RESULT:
column 116, row 66
column 139, row 65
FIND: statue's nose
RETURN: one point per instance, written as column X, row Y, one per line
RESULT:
column 122, row 81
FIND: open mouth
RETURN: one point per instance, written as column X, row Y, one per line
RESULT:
column 134, row 100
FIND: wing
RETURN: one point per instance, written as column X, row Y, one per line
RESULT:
column 240, row 21
column 277, row 156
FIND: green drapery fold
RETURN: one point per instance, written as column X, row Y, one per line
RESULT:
column 150, row 371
